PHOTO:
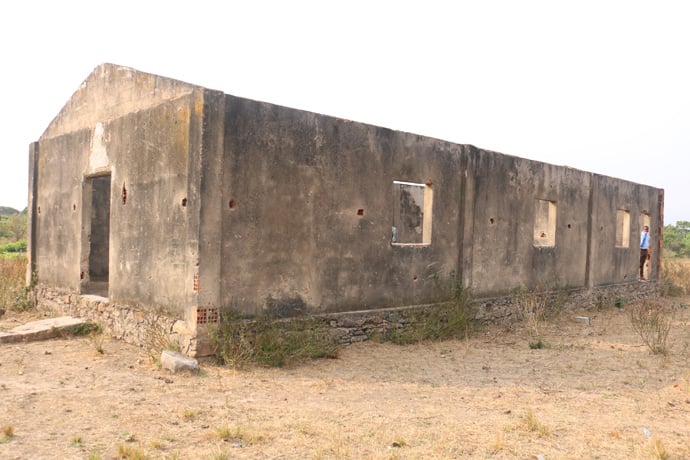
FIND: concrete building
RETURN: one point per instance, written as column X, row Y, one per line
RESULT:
column 162, row 197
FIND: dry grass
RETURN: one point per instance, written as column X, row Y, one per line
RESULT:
column 126, row 452
column 675, row 277
column 13, row 292
column 239, row 343
column 534, row 308
column 595, row 393
column 8, row 431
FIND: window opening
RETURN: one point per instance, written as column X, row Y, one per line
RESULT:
column 544, row 223
column 622, row 228
column 413, row 204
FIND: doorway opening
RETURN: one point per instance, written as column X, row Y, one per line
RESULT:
column 96, row 237
column 646, row 264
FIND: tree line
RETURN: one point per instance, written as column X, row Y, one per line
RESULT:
column 13, row 227
column 677, row 239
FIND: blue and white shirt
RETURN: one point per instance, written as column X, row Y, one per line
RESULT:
column 644, row 240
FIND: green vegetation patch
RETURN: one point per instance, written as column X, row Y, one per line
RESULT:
column 451, row 319
column 239, row 341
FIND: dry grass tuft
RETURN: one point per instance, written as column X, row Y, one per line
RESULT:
column 675, row 278
column 126, row 452
column 533, row 425
column 657, row 449
column 534, row 309
column 189, row 415
column 157, row 339
column 14, row 294
column 8, row 431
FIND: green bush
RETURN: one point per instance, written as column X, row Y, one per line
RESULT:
column 16, row 247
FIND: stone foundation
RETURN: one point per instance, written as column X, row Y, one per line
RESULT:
column 359, row 326
column 147, row 328
column 123, row 322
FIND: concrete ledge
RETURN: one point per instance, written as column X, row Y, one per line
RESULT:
column 41, row 330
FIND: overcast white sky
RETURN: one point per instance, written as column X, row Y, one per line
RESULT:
column 602, row 86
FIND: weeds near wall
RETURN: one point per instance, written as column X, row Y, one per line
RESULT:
column 653, row 324
column 534, row 308
column 450, row 319
column 14, row 294
column 94, row 332
column 157, row 339
column 239, row 342
column 675, row 278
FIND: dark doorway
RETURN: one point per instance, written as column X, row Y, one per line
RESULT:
column 97, row 226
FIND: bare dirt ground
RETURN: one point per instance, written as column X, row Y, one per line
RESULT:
column 596, row 392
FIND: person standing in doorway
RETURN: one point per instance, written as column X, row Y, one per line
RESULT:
column 644, row 249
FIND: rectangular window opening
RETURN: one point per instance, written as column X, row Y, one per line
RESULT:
column 544, row 223
column 622, row 228
column 413, row 204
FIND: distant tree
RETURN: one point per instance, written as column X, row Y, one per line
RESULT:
column 13, row 227
column 7, row 211
column 677, row 238
column 18, row 226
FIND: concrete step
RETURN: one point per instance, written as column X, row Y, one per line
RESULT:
column 42, row 329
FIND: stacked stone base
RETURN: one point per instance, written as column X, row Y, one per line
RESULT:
column 140, row 327
column 124, row 322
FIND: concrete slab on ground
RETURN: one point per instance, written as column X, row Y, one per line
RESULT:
column 42, row 329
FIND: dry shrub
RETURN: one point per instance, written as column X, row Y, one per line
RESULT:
column 130, row 453
column 240, row 342
column 657, row 449
column 14, row 294
column 675, row 278
column 652, row 322
column 532, row 424
column 451, row 319
column 157, row 339
column 8, row 431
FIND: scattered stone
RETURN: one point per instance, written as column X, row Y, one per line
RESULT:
column 174, row 362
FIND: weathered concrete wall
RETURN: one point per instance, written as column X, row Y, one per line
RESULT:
column 220, row 202
column 60, row 163
column 153, row 158
column 611, row 264
column 308, row 209
column 307, row 212
column 110, row 92
column 151, row 242
column 499, row 252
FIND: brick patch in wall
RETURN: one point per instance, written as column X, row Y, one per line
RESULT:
column 206, row 315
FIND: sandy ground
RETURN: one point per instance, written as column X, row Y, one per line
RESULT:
column 595, row 393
